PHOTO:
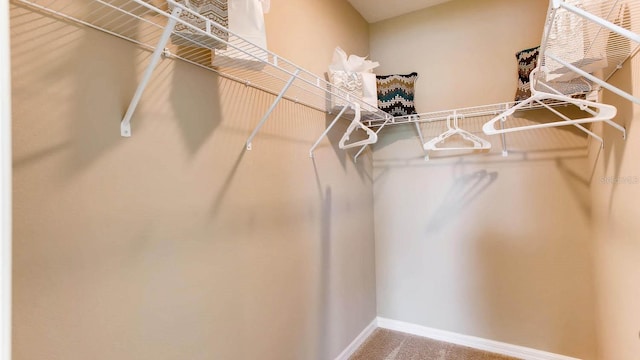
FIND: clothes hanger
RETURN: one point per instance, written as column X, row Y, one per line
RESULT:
column 598, row 111
column 477, row 143
column 355, row 124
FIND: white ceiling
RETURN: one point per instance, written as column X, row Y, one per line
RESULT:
column 376, row 10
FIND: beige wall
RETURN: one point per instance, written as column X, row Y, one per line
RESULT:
column 615, row 191
column 176, row 243
column 493, row 247
column 307, row 33
column 463, row 51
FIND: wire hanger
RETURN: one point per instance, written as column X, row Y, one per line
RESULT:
column 355, row 124
column 477, row 143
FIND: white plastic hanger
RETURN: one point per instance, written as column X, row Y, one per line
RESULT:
column 477, row 143
column 355, row 124
column 597, row 111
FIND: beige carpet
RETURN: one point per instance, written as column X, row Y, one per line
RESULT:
column 391, row 345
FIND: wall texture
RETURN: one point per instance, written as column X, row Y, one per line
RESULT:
column 498, row 248
column 615, row 191
column 176, row 243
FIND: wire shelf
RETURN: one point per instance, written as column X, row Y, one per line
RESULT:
column 210, row 46
column 472, row 111
column 594, row 36
column 584, row 43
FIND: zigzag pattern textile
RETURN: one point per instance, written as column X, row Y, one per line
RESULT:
column 527, row 61
column 215, row 10
column 396, row 93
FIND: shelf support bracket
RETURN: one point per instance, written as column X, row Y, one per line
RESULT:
column 426, row 153
column 125, row 124
column 271, row 108
column 326, row 131
column 503, row 136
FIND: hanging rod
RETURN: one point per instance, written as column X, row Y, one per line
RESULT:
column 472, row 111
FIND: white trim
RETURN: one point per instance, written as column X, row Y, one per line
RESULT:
column 497, row 347
column 5, row 185
column 355, row 344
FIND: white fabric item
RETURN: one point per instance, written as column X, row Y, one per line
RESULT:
column 350, row 82
column 369, row 89
column 589, row 65
column 354, row 75
column 566, row 40
column 266, row 6
column 354, row 63
column 246, row 19
column 360, row 84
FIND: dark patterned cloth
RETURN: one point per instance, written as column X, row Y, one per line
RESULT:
column 527, row 61
column 396, row 93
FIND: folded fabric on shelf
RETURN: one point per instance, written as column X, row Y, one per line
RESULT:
column 588, row 65
column 354, row 75
column 396, row 93
column 246, row 21
column 214, row 10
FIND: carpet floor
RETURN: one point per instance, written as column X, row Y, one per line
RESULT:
column 392, row 345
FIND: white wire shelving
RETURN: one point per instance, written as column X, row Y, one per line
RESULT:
column 152, row 26
column 481, row 112
column 471, row 111
column 584, row 42
column 590, row 39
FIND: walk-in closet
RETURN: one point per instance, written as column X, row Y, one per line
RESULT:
column 320, row 179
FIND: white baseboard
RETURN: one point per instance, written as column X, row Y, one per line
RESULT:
column 355, row 344
column 497, row 347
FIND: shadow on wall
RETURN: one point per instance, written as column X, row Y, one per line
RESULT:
column 325, row 327
column 196, row 102
column 324, row 305
column 224, row 189
column 104, row 82
column 514, row 157
column 291, row 127
column 334, row 136
column 578, row 181
column 461, row 193
column 615, row 146
column 326, row 321
column 96, row 71
column 101, row 73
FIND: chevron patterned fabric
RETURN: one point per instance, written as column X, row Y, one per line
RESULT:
column 527, row 61
column 396, row 93
column 214, row 10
